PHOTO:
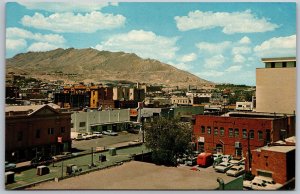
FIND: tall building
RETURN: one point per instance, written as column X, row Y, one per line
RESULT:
column 276, row 85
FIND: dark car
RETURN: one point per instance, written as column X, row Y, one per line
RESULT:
column 9, row 166
column 42, row 160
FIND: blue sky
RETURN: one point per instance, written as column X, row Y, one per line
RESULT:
column 220, row 42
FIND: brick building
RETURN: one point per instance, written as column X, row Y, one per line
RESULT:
column 275, row 161
column 36, row 130
column 235, row 132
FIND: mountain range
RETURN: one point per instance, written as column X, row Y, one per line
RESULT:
column 91, row 65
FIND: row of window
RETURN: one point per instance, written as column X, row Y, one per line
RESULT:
column 234, row 132
column 38, row 133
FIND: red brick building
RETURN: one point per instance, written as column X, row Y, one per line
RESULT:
column 277, row 162
column 35, row 130
column 235, row 132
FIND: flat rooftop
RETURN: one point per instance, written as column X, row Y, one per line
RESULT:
column 282, row 149
column 279, row 59
column 28, row 107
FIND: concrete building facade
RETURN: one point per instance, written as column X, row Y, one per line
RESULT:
column 276, row 86
column 93, row 120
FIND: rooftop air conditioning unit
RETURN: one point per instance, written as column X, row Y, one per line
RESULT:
column 237, row 145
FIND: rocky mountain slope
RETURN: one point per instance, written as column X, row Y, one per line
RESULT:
column 91, row 65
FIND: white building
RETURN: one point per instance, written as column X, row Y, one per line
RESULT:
column 116, row 120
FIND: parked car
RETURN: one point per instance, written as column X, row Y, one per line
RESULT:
column 86, row 136
column 191, row 161
column 257, row 184
column 97, row 134
column 9, row 166
column 110, row 132
column 79, row 137
column 216, row 156
column 270, row 183
column 237, row 162
column 235, row 171
column 223, row 167
column 42, row 160
column 62, row 156
column 226, row 158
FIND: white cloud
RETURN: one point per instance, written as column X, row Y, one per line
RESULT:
column 238, row 59
column 66, row 6
column 233, row 68
column 209, row 74
column 235, row 22
column 188, row 58
column 74, row 23
column 146, row 44
column 277, row 47
column 241, row 50
column 214, row 62
column 215, row 48
column 42, row 46
column 15, row 44
column 17, row 33
column 245, row 40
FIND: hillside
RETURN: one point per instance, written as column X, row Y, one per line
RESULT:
column 91, row 65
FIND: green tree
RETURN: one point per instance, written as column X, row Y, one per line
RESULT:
column 167, row 138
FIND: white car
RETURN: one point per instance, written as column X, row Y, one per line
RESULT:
column 216, row 156
column 223, row 167
column 226, row 158
column 235, row 171
column 270, row 183
column 110, row 132
column 97, row 134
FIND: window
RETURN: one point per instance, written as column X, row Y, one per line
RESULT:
column 251, row 134
column 216, row 130
column 244, row 133
column 202, row 129
column 82, row 124
column 236, row 132
column 208, row 130
column 230, row 132
column 283, row 64
column 72, row 125
column 20, row 136
column 222, row 131
column 62, row 129
column 268, row 135
column 272, row 64
column 38, row 133
column 50, row 131
column 260, row 135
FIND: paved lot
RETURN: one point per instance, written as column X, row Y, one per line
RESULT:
column 105, row 140
column 139, row 175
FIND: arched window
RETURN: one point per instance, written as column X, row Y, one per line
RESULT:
column 251, row 134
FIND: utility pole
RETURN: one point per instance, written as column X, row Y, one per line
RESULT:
column 62, row 169
column 92, row 164
column 249, row 153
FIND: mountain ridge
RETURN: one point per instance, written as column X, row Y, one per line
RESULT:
column 92, row 65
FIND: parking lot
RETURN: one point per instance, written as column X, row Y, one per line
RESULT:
column 141, row 175
column 105, row 141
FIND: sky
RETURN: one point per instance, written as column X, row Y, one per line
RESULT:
column 220, row 42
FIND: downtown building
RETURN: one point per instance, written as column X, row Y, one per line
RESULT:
column 36, row 130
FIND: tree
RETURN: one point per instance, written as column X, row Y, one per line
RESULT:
column 167, row 138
